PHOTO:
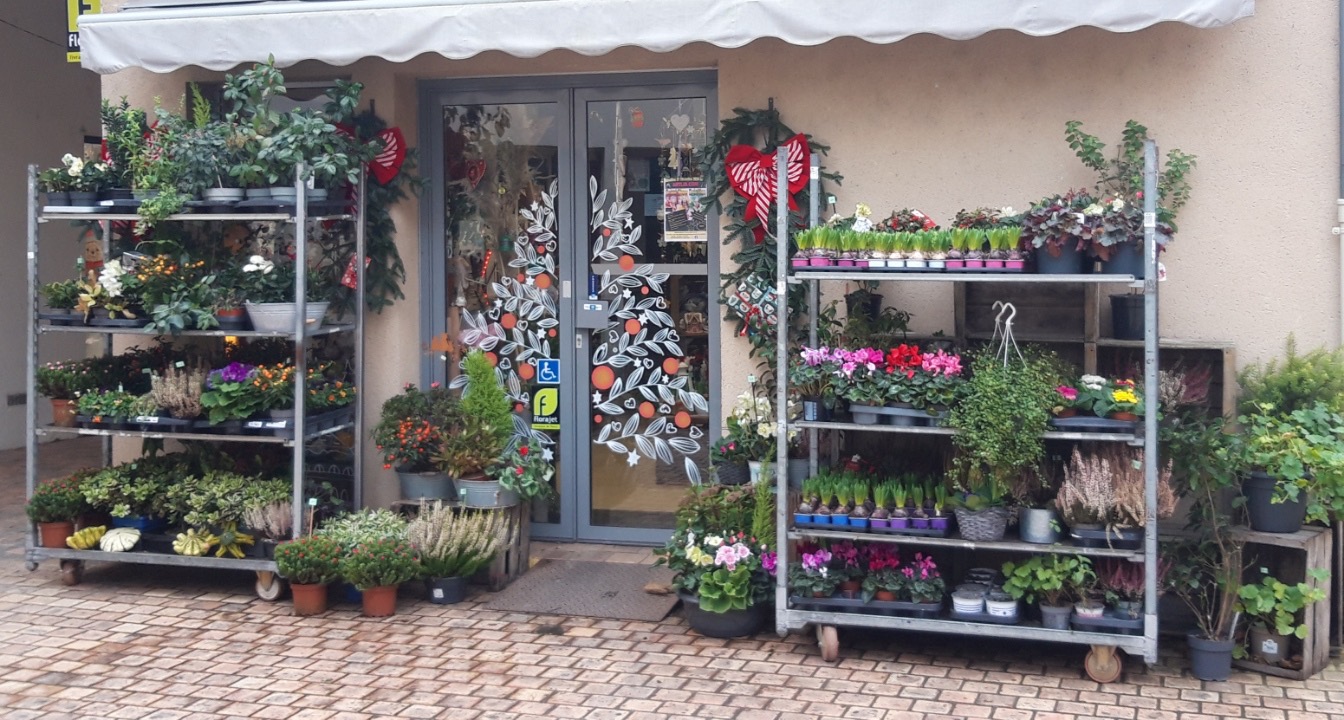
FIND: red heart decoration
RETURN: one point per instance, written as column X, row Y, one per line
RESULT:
column 752, row 174
column 475, row 171
column 387, row 163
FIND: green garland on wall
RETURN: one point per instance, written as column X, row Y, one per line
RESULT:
column 763, row 129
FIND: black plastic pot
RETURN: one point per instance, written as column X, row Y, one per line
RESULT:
column 1126, row 259
column 1069, row 262
column 731, row 624
column 1266, row 515
column 1210, row 660
column 815, row 410
column 1127, row 317
column 446, row 591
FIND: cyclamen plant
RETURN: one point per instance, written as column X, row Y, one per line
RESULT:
column 811, row 576
column 923, row 583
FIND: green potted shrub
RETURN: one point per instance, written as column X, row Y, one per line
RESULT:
column 453, row 546
column 310, row 564
column 362, row 526
column 376, row 568
column 1296, row 467
column 63, row 382
column 54, row 506
column 1052, row 581
column 524, row 472
column 1273, row 608
column 135, row 494
column 479, row 439
column 55, row 183
column 62, row 297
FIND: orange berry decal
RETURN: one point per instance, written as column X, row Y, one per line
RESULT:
column 627, row 263
column 603, row 377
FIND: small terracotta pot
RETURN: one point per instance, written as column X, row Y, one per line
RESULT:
column 380, row 601
column 312, row 599
column 63, row 413
column 1067, row 413
column 885, row 596
column 53, row 534
column 851, row 586
column 1125, row 416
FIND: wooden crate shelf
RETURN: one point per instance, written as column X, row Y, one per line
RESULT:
column 1308, row 548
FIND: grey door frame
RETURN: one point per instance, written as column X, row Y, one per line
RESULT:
column 571, row 94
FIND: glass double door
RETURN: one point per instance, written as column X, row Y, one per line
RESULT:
column 575, row 252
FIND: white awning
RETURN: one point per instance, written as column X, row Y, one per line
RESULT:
column 339, row 32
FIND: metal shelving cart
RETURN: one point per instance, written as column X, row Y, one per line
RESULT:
column 269, row 586
column 1103, row 664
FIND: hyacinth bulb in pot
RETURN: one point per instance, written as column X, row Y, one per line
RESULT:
column 310, row 564
column 939, row 244
column 961, row 239
column 900, row 515
column 805, row 241
column 975, row 249
column 880, row 518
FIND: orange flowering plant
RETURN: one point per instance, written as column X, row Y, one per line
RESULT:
column 276, row 384
column 408, row 431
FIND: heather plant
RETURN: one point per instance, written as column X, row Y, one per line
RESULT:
column 178, row 391
column 455, row 544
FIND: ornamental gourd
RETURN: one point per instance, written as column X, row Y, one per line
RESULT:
column 193, row 544
column 119, row 540
column 86, row 539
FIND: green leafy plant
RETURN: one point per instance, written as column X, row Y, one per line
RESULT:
column 1275, row 605
column 1303, row 452
column 124, row 128
column 722, row 589
column 1122, row 175
column 454, row 543
column 409, row 426
column 106, row 404
column 1295, row 382
column 63, row 380
column 525, row 472
column 1002, row 412
column 312, row 560
column 61, row 295
column 364, row 526
column 380, row 562
column 231, row 393
column 486, row 426
column 1053, row 580
column 58, row 500
column 131, row 489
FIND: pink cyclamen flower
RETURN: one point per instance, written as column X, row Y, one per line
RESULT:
column 1067, row 392
column 769, row 561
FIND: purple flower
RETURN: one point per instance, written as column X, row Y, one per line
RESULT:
column 234, row 372
column 769, row 561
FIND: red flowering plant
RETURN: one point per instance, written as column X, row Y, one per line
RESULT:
column 312, row 560
column 884, row 565
column 1059, row 222
column 524, row 470
column 938, row 381
column 907, row 220
column 381, row 562
column 408, row 430
column 922, row 582
column 903, row 365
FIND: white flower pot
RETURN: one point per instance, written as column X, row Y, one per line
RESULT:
column 279, row 317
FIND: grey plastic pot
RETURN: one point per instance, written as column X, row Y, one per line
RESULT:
column 1037, row 525
column 446, row 591
column 1056, row 618
column 731, row 624
column 1069, row 262
column 1126, row 259
column 1210, row 660
column 1267, row 515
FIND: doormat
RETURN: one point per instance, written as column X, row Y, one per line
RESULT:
column 588, row 589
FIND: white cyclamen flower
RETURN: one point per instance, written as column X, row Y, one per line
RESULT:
column 110, row 278
column 713, row 540
column 73, row 165
column 257, row 263
column 1006, row 211
column 1094, row 209
column 1117, row 205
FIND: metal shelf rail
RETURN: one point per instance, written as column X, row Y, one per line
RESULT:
column 269, row 586
column 1102, row 660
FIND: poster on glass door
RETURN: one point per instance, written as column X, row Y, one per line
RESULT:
column 684, row 211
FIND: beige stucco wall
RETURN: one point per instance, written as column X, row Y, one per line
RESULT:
column 48, row 107
column 939, row 125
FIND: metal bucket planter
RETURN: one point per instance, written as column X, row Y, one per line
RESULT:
column 481, row 492
column 865, row 414
column 279, row 317
column 732, row 473
column 1266, row 515
column 429, row 485
column 1037, row 525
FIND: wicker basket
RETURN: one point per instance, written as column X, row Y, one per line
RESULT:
column 733, row 473
column 983, row 525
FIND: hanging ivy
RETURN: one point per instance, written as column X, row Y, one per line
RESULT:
column 762, row 129
column 386, row 271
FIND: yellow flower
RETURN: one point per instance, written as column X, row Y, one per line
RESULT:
column 1124, row 396
column 698, row 556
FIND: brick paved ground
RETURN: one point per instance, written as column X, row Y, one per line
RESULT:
column 158, row 643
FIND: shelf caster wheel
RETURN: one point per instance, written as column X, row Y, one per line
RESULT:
column 829, row 642
column 269, row 586
column 72, row 572
column 1103, row 664
column 30, row 565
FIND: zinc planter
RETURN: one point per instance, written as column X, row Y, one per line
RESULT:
column 1210, row 660
column 1267, row 515
column 477, row 491
column 223, row 194
column 1270, row 647
column 380, row 601
column 864, row 414
column 1037, row 525
column 279, row 317
column 731, row 624
column 429, row 485
column 309, row 599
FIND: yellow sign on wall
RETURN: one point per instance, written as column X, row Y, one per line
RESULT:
column 75, row 8
column 546, row 409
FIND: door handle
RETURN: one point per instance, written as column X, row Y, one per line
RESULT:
column 578, row 341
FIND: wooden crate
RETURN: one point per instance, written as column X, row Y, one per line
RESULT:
column 512, row 559
column 1310, row 547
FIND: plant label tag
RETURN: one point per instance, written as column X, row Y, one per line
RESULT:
column 312, row 502
column 1269, row 647
column 830, row 199
column 179, row 364
column 147, row 419
column 813, row 172
column 438, row 594
column 1149, row 220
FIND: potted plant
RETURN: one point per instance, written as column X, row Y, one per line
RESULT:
column 1120, row 180
column 960, row 239
column 1102, row 497
column 479, row 439
column 1060, row 229
column 939, row 244
column 82, row 180
column 407, row 434
column 1296, row 466
column 880, row 518
column 921, row 582
column 453, row 546
column 231, row 393
column 135, row 494
column 883, row 581
column 54, row 506
column 523, row 473
column 376, row 568
column 1273, row 608
column 62, row 297
column 811, row 576
column 63, row 382
column 900, row 515
column 105, row 407
column 270, row 287
column 805, row 242
column 55, row 185
column 1051, row 581
column 812, row 373
column 310, row 564
column 1124, row 586
column 975, row 249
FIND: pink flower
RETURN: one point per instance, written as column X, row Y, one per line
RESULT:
column 726, row 556
column 770, row 561
column 1067, row 392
